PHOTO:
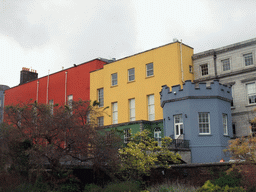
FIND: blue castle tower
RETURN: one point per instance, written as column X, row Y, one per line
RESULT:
column 201, row 115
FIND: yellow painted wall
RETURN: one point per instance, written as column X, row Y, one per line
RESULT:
column 167, row 71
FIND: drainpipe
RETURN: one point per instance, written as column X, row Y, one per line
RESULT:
column 37, row 89
column 215, row 64
column 181, row 64
column 47, row 94
column 66, row 76
column 3, row 108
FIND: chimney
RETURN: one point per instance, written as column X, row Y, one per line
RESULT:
column 27, row 75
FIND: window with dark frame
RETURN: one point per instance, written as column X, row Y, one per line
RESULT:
column 204, row 69
column 114, row 79
column 131, row 74
column 150, row 69
column 225, row 64
column 253, row 129
column 190, row 69
column 248, row 59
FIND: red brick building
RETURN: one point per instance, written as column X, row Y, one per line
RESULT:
column 68, row 84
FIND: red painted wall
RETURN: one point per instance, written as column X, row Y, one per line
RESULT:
column 78, row 85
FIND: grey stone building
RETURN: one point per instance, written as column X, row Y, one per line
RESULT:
column 233, row 65
column 2, row 89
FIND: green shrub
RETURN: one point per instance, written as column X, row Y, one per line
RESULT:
column 127, row 186
column 40, row 186
column 233, row 179
column 209, row 187
column 92, row 188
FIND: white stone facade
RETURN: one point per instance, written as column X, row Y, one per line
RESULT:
column 228, row 64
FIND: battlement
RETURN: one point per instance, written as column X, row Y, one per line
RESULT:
column 190, row 91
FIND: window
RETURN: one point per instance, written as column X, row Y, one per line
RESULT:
column 150, row 69
column 101, row 97
column 131, row 74
column 114, row 113
column 225, row 123
column 157, row 135
column 232, row 93
column 70, row 100
column 225, row 64
column 190, row 69
column 204, row 69
column 234, row 129
column 251, row 91
column 101, row 121
column 51, row 106
column 127, row 134
column 114, row 79
column 204, row 123
column 253, row 129
column 248, row 60
column 151, row 108
column 132, row 109
column 178, row 126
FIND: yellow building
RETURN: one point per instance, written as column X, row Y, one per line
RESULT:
column 130, row 86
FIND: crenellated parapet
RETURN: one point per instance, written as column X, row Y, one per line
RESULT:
column 191, row 91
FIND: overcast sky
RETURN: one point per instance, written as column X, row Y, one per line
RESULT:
column 51, row 34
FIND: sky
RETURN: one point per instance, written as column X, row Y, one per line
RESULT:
column 46, row 35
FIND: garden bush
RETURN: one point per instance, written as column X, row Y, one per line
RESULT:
column 210, row 187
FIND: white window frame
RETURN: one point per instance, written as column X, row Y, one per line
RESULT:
column 149, row 70
column 158, row 135
column 51, row 105
column 101, row 97
column 178, row 125
column 251, row 94
column 127, row 135
column 225, row 123
column 100, row 121
column 114, row 79
column 226, row 64
column 248, row 59
column 114, row 113
column 203, row 124
column 131, row 74
column 204, row 69
column 132, row 109
column 151, row 107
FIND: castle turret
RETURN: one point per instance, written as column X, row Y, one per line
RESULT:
column 200, row 114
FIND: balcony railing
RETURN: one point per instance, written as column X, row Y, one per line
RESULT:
column 179, row 143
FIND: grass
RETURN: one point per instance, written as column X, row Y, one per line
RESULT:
column 172, row 187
